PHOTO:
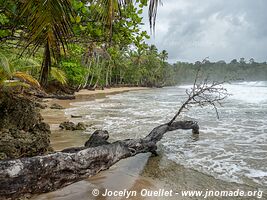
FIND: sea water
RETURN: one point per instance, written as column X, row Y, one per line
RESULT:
column 231, row 148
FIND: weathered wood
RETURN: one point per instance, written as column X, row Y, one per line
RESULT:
column 47, row 173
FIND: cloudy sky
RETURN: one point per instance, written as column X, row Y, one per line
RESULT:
column 191, row 30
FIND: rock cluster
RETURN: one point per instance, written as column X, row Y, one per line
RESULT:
column 72, row 126
column 56, row 106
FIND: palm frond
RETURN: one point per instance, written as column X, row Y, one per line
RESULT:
column 13, row 83
column 47, row 21
column 5, row 67
column 59, row 75
column 49, row 26
column 26, row 64
column 107, row 10
column 26, row 78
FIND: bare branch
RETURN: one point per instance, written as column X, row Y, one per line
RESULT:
column 203, row 93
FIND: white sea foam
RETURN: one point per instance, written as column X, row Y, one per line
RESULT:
column 233, row 148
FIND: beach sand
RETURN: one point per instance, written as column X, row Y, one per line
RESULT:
column 133, row 174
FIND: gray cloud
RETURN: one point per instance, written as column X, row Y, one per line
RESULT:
column 191, row 30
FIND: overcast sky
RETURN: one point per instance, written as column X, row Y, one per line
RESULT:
column 191, row 30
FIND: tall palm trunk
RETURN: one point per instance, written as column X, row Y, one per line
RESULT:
column 94, row 71
column 88, row 74
column 46, row 66
column 107, row 74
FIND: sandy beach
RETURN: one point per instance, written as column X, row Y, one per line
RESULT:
column 126, row 173
column 133, row 174
column 55, row 117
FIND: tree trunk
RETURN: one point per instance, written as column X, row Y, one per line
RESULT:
column 107, row 75
column 47, row 173
column 88, row 74
column 45, row 66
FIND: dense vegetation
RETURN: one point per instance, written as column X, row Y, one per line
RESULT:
column 94, row 43
column 236, row 70
column 82, row 44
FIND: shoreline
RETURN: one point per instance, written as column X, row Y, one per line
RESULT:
column 126, row 172
column 58, row 116
column 133, row 174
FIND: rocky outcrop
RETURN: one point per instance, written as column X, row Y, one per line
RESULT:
column 18, row 112
column 72, row 126
column 22, row 132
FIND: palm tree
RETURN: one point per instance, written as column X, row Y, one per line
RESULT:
column 112, row 8
column 164, row 55
column 153, row 49
column 8, row 73
column 107, row 11
column 48, row 24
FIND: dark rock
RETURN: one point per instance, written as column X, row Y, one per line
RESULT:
column 56, row 88
column 98, row 138
column 41, row 105
column 56, row 106
column 18, row 112
column 22, row 134
column 80, row 126
column 76, row 116
column 72, row 126
column 67, row 125
column 18, row 143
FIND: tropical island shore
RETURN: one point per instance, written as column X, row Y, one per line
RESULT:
column 79, row 51
column 132, row 174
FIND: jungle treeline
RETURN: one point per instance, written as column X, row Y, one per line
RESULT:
column 79, row 44
column 235, row 70
column 94, row 44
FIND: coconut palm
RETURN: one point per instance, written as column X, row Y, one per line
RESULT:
column 8, row 73
column 153, row 50
column 163, row 55
column 48, row 25
column 19, row 71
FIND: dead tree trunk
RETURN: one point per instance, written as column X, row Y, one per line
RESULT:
column 47, row 173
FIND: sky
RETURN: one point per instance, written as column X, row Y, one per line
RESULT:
column 192, row 30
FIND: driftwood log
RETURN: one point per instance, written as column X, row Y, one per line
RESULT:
column 50, row 172
column 47, row 173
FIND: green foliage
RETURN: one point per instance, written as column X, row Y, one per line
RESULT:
column 105, row 43
column 48, row 24
column 221, row 70
column 59, row 75
column 74, row 72
column 9, row 72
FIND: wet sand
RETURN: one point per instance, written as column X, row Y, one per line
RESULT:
column 133, row 174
